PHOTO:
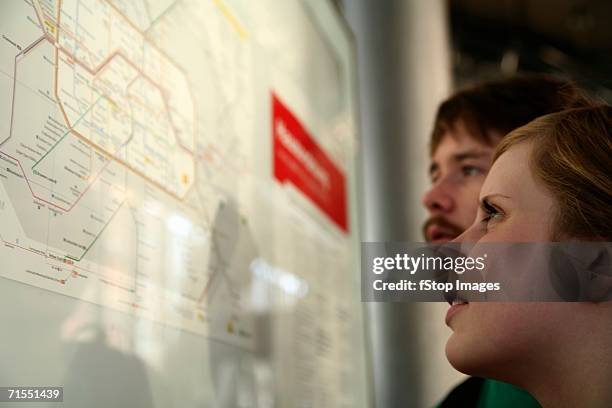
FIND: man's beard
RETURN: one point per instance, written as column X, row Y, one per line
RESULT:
column 447, row 229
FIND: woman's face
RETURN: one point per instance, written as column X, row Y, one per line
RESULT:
column 514, row 207
column 492, row 337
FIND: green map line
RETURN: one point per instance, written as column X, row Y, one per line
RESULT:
column 158, row 136
column 159, row 17
column 68, row 131
column 98, row 235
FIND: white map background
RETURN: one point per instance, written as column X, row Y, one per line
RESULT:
column 136, row 189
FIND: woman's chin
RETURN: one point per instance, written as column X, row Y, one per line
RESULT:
column 460, row 356
column 472, row 357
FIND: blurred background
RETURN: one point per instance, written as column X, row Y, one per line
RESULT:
column 411, row 55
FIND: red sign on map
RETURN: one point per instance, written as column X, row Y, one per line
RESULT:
column 299, row 160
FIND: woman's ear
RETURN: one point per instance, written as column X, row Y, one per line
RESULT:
column 582, row 271
column 599, row 269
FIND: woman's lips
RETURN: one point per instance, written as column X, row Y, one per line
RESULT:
column 455, row 308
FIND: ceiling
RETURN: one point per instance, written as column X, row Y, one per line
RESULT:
column 585, row 24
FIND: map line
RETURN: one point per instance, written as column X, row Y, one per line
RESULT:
column 49, row 202
column 160, row 16
column 23, row 52
column 67, row 132
column 97, row 235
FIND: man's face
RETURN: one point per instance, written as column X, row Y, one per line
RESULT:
column 458, row 169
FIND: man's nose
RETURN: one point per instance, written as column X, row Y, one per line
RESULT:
column 438, row 199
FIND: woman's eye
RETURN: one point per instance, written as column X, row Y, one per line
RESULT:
column 490, row 217
column 469, row 171
column 491, row 212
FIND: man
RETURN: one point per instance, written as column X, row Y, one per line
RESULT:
column 467, row 128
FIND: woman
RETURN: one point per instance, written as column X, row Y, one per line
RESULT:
column 560, row 352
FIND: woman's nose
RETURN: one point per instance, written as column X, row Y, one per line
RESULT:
column 470, row 235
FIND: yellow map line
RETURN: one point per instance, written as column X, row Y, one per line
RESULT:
column 232, row 19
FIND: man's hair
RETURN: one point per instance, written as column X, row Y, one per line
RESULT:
column 504, row 105
column 571, row 156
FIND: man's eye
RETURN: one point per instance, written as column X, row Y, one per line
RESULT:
column 469, row 171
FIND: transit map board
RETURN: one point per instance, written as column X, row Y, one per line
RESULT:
column 178, row 222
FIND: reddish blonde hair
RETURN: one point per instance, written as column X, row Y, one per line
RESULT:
column 572, row 156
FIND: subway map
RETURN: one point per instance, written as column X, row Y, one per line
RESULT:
column 99, row 156
column 178, row 177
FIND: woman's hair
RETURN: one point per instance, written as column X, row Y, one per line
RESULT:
column 572, row 156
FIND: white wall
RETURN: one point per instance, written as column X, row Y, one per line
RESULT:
column 427, row 66
column 404, row 73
